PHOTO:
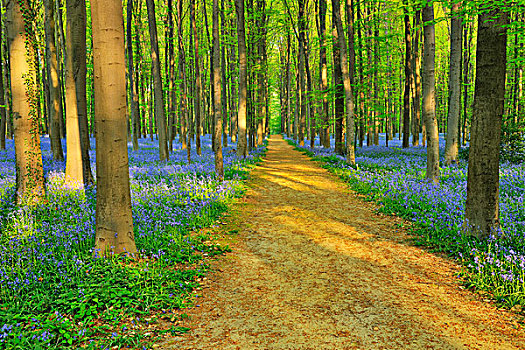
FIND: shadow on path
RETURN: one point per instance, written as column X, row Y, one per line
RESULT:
column 316, row 268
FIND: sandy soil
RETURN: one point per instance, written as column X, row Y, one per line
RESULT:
column 315, row 267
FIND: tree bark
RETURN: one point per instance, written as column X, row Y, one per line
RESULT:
column 429, row 95
column 302, row 88
column 349, row 97
column 408, row 72
column 482, row 206
column 217, row 108
column 3, row 102
column 242, row 150
column 454, row 86
column 160, row 115
column 416, row 69
column 55, row 93
column 21, row 39
column 114, row 224
column 131, row 71
column 339, row 107
column 198, row 81
column 184, row 115
column 325, row 117
column 78, row 168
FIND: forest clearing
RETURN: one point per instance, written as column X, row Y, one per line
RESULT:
column 262, row 174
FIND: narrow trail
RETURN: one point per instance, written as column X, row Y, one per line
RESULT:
column 314, row 267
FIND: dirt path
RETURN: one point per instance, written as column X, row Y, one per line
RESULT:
column 315, row 268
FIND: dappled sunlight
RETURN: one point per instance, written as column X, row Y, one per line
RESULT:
column 318, row 257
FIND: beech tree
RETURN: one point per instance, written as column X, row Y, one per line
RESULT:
column 3, row 112
column 408, row 72
column 55, row 93
column 349, row 98
column 482, row 206
column 78, row 168
column 217, row 106
column 429, row 94
column 454, row 82
column 114, row 224
column 22, row 44
column 242, row 144
column 134, row 108
column 160, row 115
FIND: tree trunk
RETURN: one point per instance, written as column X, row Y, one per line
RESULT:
column 349, row 97
column 78, row 168
column 482, row 206
column 131, row 72
column 184, row 115
column 288, row 87
column 160, row 116
column 114, row 224
column 429, row 95
column 21, row 39
column 302, row 88
column 339, row 107
column 3, row 102
column 416, row 68
column 325, row 117
column 224, row 100
column 217, row 108
column 61, row 56
column 55, row 93
column 454, row 86
column 261, row 105
column 408, row 72
column 198, row 81
column 243, row 82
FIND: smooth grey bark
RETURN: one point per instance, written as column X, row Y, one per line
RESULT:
column 408, row 72
column 217, row 107
column 349, row 97
column 429, row 94
column 55, row 93
column 454, row 86
column 114, row 223
column 242, row 149
column 482, row 205
column 131, row 72
column 160, row 115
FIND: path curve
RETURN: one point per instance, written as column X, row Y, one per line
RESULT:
column 316, row 268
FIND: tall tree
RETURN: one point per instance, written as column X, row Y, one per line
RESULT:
column 454, row 85
column 22, row 55
column 416, row 76
column 408, row 72
column 198, row 79
column 482, row 206
column 160, row 115
column 184, row 115
column 131, row 72
column 301, row 23
column 53, row 77
column 339, row 107
column 78, row 168
column 429, row 94
column 349, row 97
column 114, row 223
column 323, row 72
column 3, row 111
column 242, row 149
column 217, row 107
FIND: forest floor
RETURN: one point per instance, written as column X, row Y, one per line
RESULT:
column 316, row 267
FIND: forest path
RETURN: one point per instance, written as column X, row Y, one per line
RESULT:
column 315, row 267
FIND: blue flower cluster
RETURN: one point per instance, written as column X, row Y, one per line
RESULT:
column 47, row 249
